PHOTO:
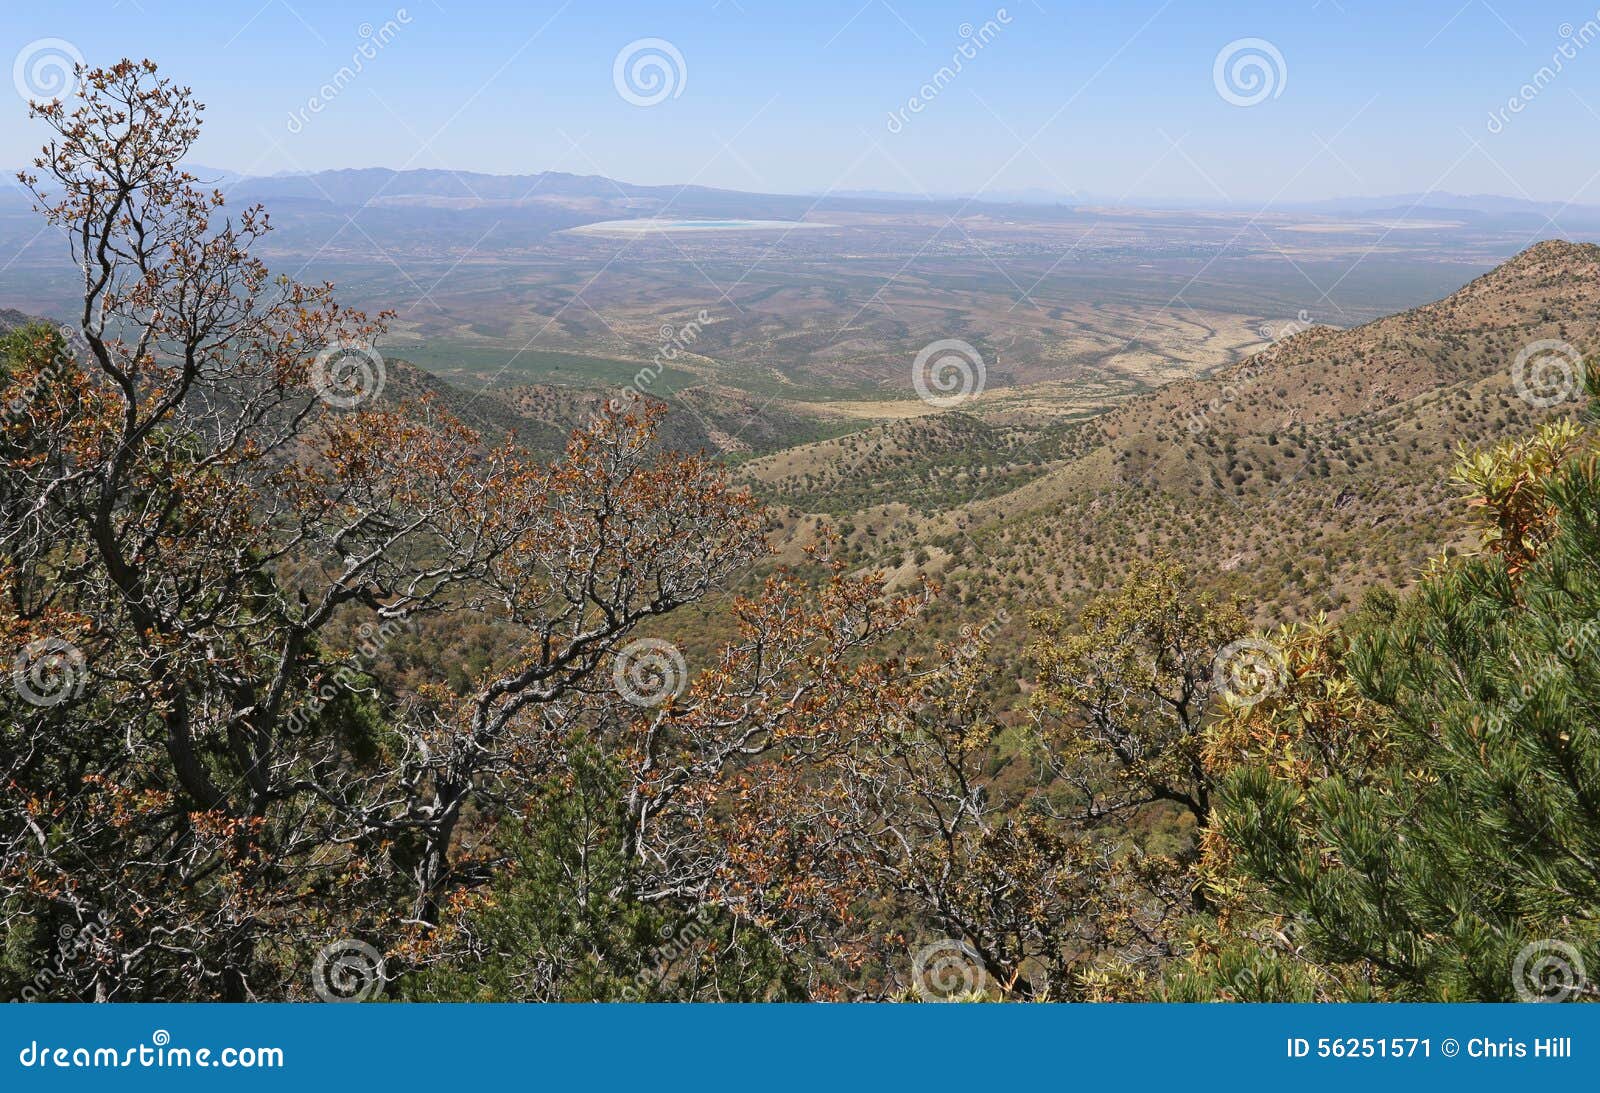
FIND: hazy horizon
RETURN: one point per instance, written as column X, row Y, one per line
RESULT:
column 1250, row 104
column 1025, row 195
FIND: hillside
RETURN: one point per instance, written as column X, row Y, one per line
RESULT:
column 1299, row 477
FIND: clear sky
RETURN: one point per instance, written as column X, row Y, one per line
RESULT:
column 1120, row 100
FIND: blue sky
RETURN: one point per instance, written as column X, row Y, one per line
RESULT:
column 1116, row 100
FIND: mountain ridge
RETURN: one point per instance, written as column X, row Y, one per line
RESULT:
column 1268, row 477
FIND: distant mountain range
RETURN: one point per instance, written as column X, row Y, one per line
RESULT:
column 377, row 185
column 385, row 187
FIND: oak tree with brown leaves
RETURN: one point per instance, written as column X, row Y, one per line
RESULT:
column 209, row 782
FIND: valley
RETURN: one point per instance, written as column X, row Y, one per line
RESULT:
column 1106, row 415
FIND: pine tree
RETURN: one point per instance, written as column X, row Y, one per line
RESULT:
column 1449, row 848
